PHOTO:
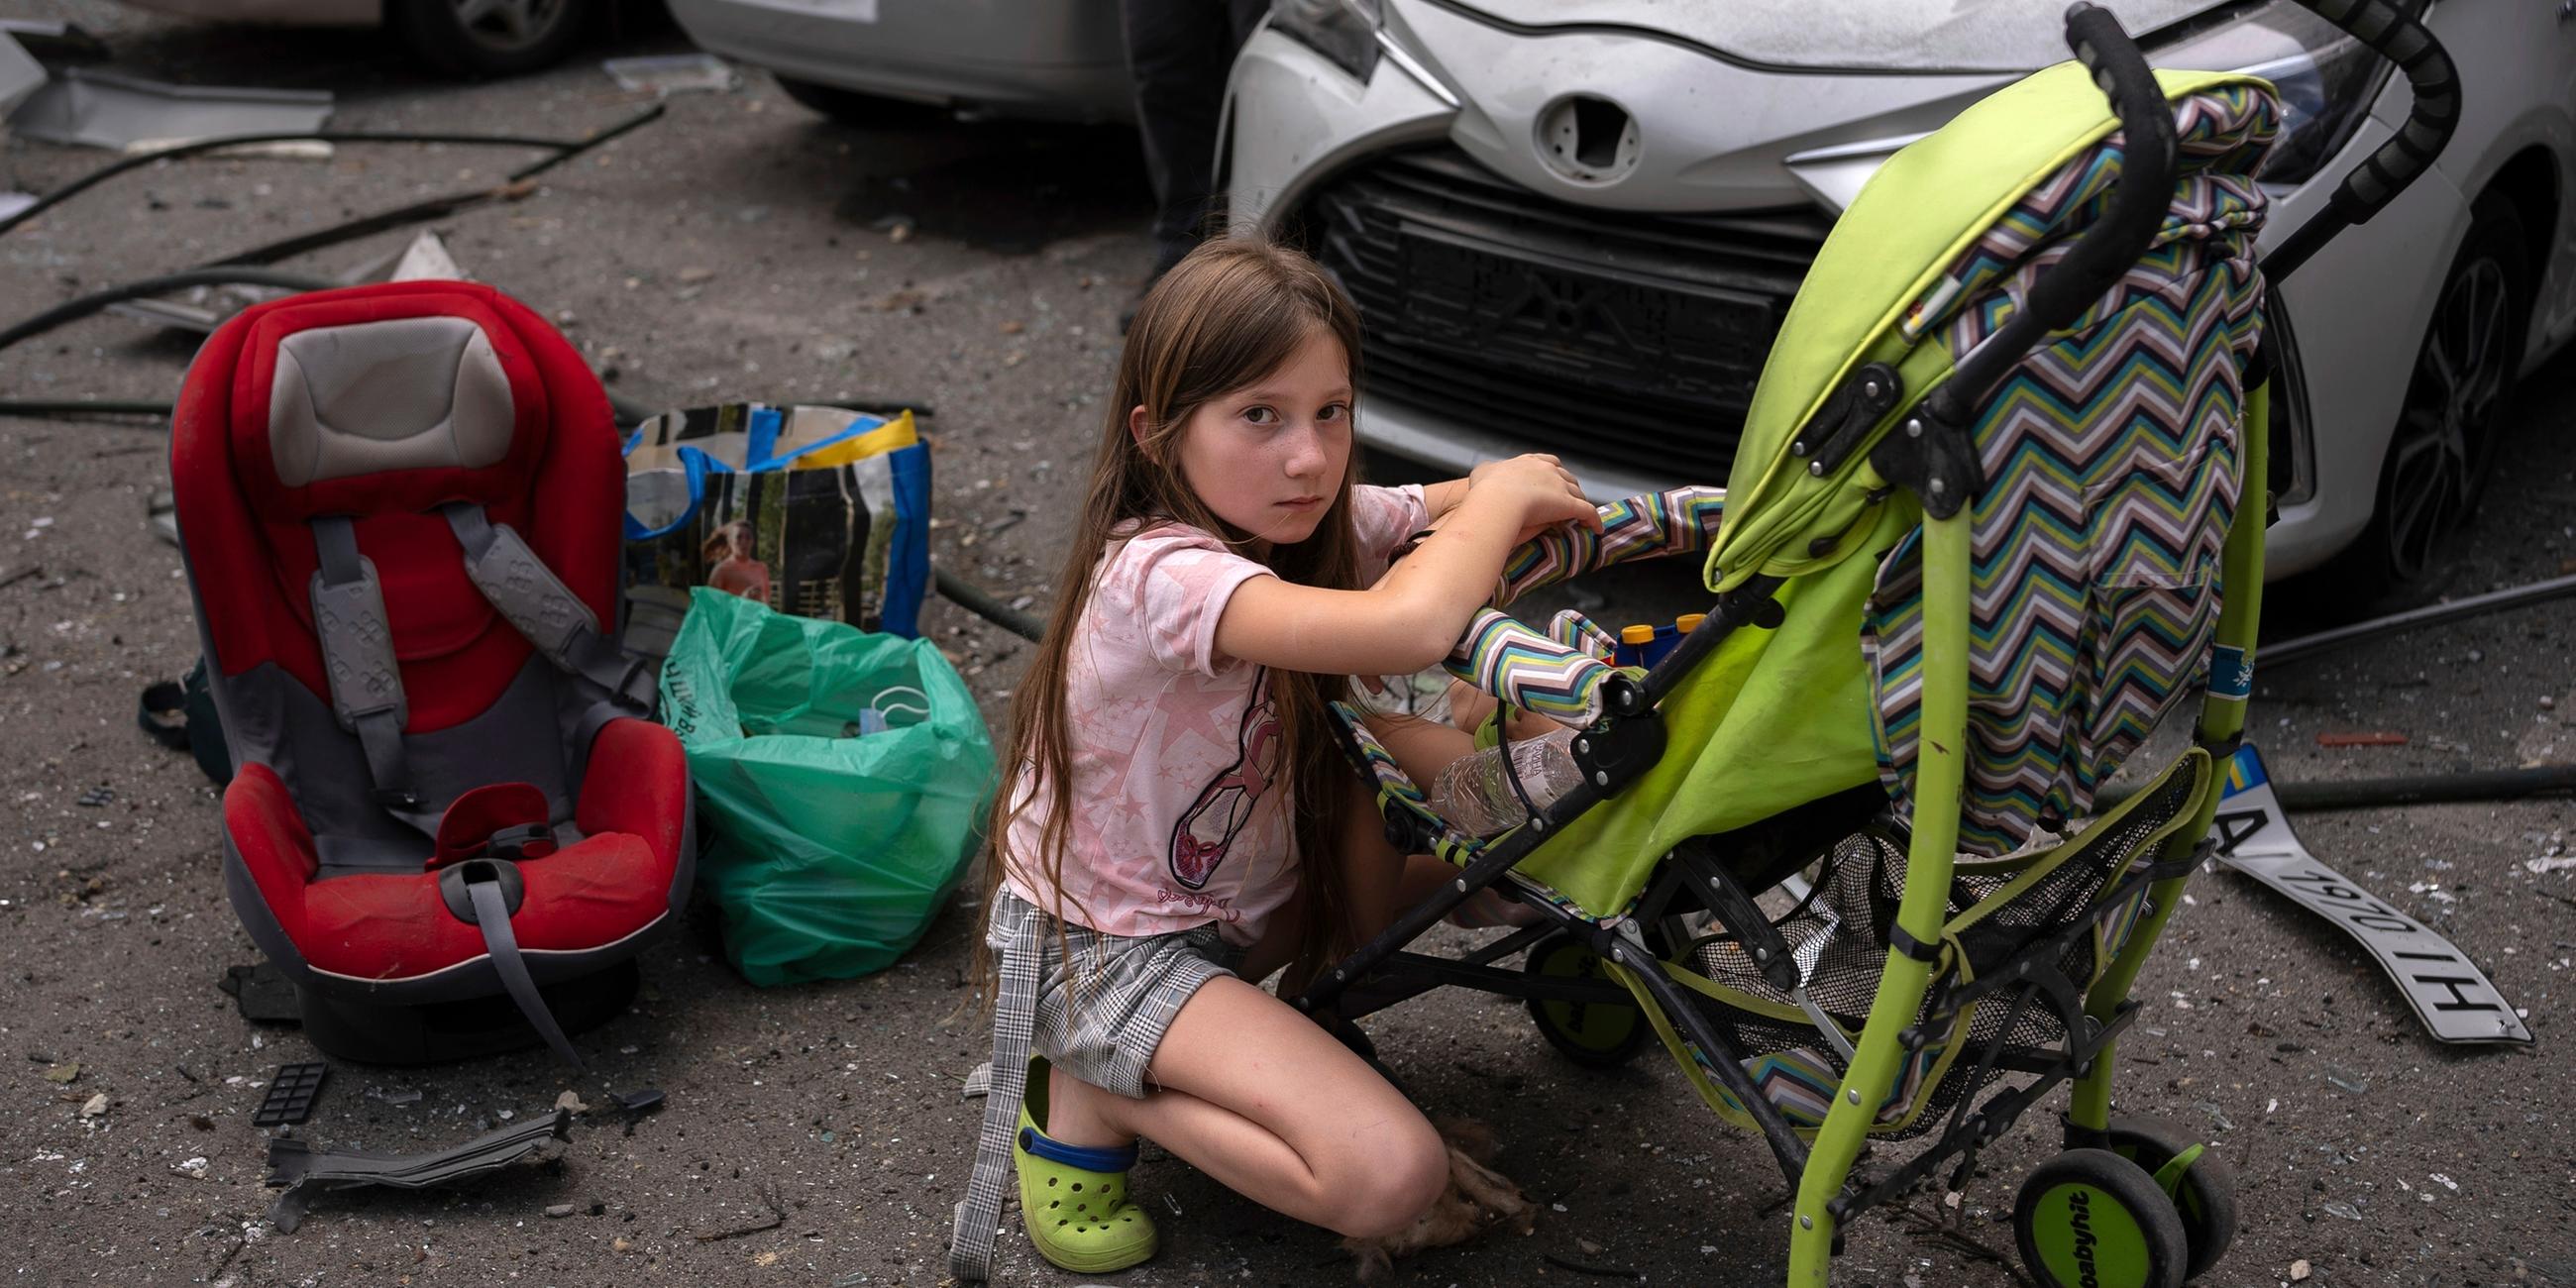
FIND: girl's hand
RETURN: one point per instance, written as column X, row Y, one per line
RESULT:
column 1539, row 491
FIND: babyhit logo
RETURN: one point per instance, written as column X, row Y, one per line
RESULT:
column 2079, row 1208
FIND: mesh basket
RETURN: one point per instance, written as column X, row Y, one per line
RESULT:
column 1838, row 937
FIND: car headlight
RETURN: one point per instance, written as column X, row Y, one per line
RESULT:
column 1343, row 31
column 2326, row 79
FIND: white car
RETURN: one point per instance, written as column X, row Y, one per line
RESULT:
column 1056, row 59
column 1574, row 225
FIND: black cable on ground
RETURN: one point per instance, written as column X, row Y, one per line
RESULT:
column 81, row 407
column 74, row 310
column 418, row 212
column 575, row 147
column 2292, row 650
column 2425, row 789
column 981, row 602
column 565, row 149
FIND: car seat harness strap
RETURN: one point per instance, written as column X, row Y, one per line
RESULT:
column 358, row 657
column 553, row 619
column 485, row 893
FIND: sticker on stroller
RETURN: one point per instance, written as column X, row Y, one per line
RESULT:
column 2450, row 995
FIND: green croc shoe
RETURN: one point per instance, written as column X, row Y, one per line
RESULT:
column 1074, row 1199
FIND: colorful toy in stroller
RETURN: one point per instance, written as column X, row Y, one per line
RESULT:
column 1998, row 504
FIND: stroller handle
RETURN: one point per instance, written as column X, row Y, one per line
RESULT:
column 2374, row 183
column 2101, row 255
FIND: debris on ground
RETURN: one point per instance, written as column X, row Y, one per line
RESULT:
column 291, row 1094
column 777, row 1218
column 263, row 993
column 94, row 1106
column 304, row 1170
column 20, row 75
column 571, row 1102
column 113, row 111
column 203, row 308
column 668, row 74
column 2363, row 738
column 52, row 41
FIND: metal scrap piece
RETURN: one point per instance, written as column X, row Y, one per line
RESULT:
column 305, row 1171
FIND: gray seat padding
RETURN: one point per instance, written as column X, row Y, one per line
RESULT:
column 405, row 393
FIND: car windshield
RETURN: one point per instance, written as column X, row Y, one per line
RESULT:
column 1903, row 35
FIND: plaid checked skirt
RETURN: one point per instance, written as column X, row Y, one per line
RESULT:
column 1096, row 1006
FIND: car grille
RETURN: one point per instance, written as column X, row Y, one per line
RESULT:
column 1628, row 339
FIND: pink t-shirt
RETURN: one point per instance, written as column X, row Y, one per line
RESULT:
column 1179, row 808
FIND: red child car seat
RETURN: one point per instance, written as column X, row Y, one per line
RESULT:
column 453, row 822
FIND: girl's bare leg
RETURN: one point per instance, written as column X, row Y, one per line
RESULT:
column 1260, row 1098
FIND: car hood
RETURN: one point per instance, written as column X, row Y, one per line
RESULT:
column 1900, row 35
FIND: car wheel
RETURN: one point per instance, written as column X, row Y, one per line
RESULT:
column 2444, row 447
column 490, row 37
column 850, row 107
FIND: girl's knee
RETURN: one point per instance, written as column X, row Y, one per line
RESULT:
column 1401, row 1178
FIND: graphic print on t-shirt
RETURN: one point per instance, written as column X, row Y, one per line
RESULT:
column 1207, row 829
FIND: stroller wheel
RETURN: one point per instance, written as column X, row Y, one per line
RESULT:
column 2089, row 1218
column 1603, row 1034
column 2204, row 1190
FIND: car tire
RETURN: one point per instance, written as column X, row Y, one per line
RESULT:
column 484, row 38
column 2438, row 460
column 850, row 107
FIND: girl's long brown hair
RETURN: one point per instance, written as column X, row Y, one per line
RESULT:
column 1233, row 311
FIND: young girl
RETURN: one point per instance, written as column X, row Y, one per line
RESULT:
column 1181, row 824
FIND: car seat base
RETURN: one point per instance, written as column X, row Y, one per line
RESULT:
column 352, row 1029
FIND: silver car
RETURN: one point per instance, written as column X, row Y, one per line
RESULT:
column 1059, row 59
column 1576, row 224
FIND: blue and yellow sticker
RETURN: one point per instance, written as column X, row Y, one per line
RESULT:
column 2244, row 772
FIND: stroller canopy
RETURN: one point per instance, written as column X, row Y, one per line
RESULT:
column 2110, row 455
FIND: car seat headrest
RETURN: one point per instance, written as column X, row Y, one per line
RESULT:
column 398, row 394
column 398, row 399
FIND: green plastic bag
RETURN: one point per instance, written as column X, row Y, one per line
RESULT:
column 834, row 842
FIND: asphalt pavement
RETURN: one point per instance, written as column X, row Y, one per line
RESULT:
column 742, row 247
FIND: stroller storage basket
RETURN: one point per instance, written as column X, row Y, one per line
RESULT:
column 2004, row 915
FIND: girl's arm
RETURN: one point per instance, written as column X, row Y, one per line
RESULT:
column 1413, row 616
column 1442, row 497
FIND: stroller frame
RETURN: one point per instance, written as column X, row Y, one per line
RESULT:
column 1940, row 468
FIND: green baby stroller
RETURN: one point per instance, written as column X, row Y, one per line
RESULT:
column 1997, row 507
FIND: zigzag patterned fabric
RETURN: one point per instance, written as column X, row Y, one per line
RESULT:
column 1530, row 670
column 1576, row 631
column 1800, row 1082
column 2112, row 464
column 1679, row 521
column 1558, row 672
